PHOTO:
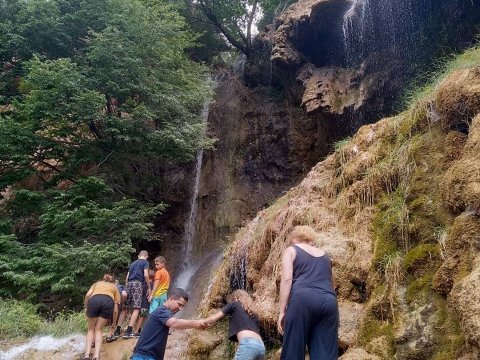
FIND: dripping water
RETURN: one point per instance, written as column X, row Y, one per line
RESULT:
column 189, row 267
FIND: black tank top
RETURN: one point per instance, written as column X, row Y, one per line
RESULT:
column 312, row 272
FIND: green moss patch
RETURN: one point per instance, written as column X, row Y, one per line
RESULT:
column 449, row 340
column 418, row 290
column 372, row 329
column 421, row 259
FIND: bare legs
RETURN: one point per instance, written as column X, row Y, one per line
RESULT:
column 94, row 335
column 133, row 318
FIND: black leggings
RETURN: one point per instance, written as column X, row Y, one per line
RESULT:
column 311, row 321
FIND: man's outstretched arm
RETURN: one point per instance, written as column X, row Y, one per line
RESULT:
column 182, row 324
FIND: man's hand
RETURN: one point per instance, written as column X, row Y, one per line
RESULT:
column 201, row 324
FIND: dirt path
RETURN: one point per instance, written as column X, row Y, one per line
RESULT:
column 122, row 348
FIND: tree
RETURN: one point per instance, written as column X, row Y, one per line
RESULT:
column 81, row 232
column 92, row 89
column 233, row 18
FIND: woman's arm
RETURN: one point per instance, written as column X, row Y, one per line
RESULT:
column 87, row 296
column 214, row 318
column 285, row 284
column 115, row 316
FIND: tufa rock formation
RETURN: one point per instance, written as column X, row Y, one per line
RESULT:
column 397, row 208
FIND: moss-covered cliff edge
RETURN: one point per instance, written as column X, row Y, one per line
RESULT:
column 397, row 208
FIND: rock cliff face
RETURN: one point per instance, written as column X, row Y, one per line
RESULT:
column 265, row 145
column 351, row 60
column 397, row 208
column 324, row 68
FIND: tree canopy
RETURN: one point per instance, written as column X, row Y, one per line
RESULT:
column 85, row 87
column 236, row 19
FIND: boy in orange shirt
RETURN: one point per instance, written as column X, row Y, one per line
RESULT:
column 160, row 286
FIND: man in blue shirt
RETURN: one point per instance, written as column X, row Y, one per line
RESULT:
column 153, row 338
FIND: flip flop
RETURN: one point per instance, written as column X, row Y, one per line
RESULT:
column 110, row 339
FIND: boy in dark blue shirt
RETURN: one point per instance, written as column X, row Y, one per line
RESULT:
column 136, row 281
column 153, row 338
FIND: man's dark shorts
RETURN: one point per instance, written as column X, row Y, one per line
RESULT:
column 100, row 306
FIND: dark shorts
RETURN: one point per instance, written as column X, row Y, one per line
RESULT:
column 135, row 294
column 100, row 306
column 145, row 303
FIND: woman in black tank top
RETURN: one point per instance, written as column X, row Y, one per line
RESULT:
column 243, row 326
column 308, row 303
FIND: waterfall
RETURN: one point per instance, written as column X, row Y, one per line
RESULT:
column 189, row 268
column 349, row 31
column 238, row 67
column 377, row 25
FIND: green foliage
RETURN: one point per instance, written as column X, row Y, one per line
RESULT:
column 19, row 319
column 449, row 339
column 419, row 290
column 371, row 328
column 82, row 233
column 390, row 226
column 420, row 256
column 234, row 19
column 65, row 323
column 271, row 9
column 90, row 88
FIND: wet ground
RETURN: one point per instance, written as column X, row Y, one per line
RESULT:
column 71, row 348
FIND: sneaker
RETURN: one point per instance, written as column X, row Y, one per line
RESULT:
column 116, row 334
column 128, row 335
column 137, row 335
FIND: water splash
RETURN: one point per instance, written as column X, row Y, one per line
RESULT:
column 70, row 346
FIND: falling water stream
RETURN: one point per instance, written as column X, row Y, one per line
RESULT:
column 189, row 266
column 376, row 25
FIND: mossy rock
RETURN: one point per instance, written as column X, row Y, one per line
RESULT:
column 201, row 344
column 450, row 339
column 418, row 290
column 458, row 98
column 421, row 259
column 371, row 330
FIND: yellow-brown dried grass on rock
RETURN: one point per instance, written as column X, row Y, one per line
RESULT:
column 460, row 186
column 462, row 245
column 458, row 98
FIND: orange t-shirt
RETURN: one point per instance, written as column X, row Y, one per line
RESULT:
column 106, row 288
column 163, row 276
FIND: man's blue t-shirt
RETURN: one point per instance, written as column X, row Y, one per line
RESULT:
column 154, row 335
column 135, row 271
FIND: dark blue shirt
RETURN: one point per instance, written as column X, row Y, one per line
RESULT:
column 135, row 271
column 153, row 338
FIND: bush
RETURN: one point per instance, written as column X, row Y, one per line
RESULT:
column 65, row 324
column 19, row 319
